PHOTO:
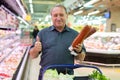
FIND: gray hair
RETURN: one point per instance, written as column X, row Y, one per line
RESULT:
column 59, row 5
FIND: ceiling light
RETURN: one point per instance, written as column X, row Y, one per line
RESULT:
column 79, row 12
column 92, row 13
column 30, row 1
column 31, row 8
column 90, row 2
column 81, row 7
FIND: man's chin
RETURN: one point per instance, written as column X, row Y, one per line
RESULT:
column 60, row 25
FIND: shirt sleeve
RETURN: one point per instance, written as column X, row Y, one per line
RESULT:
column 83, row 48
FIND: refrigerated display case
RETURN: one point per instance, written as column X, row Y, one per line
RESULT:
column 12, row 54
column 103, row 47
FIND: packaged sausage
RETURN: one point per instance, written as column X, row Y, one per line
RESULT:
column 93, row 30
column 85, row 32
column 81, row 36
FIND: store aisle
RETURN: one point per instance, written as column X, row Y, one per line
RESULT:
column 34, row 69
column 111, row 72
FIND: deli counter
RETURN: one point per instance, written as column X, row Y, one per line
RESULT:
column 103, row 48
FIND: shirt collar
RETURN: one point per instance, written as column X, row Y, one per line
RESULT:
column 66, row 28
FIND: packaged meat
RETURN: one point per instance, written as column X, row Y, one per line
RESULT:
column 85, row 32
column 92, row 31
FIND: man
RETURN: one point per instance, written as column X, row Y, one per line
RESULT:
column 55, row 40
column 35, row 31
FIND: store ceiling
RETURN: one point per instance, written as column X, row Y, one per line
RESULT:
column 39, row 9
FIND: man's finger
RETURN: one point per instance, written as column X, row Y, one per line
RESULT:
column 37, row 38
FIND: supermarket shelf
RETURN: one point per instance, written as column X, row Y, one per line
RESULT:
column 103, row 51
column 4, row 57
column 102, row 57
column 7, row 28
column 19, row 72
column 101, row 64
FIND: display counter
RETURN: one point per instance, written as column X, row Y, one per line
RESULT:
column 13, row 55
column 102, row 57
column 20, row 70
column 103, row 48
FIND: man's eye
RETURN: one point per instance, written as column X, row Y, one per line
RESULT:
column 55, row 15
column 61, row 15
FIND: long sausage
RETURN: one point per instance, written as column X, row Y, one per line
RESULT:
column 93, row 30
column 81, row 36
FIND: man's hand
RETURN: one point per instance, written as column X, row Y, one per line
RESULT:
column 38, row 46
column 78, row 48
column 80, row 58
column 34, row 52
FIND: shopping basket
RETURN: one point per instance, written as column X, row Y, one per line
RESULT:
column 72, row 66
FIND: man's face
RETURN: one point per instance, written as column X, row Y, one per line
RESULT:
column 59, row 17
